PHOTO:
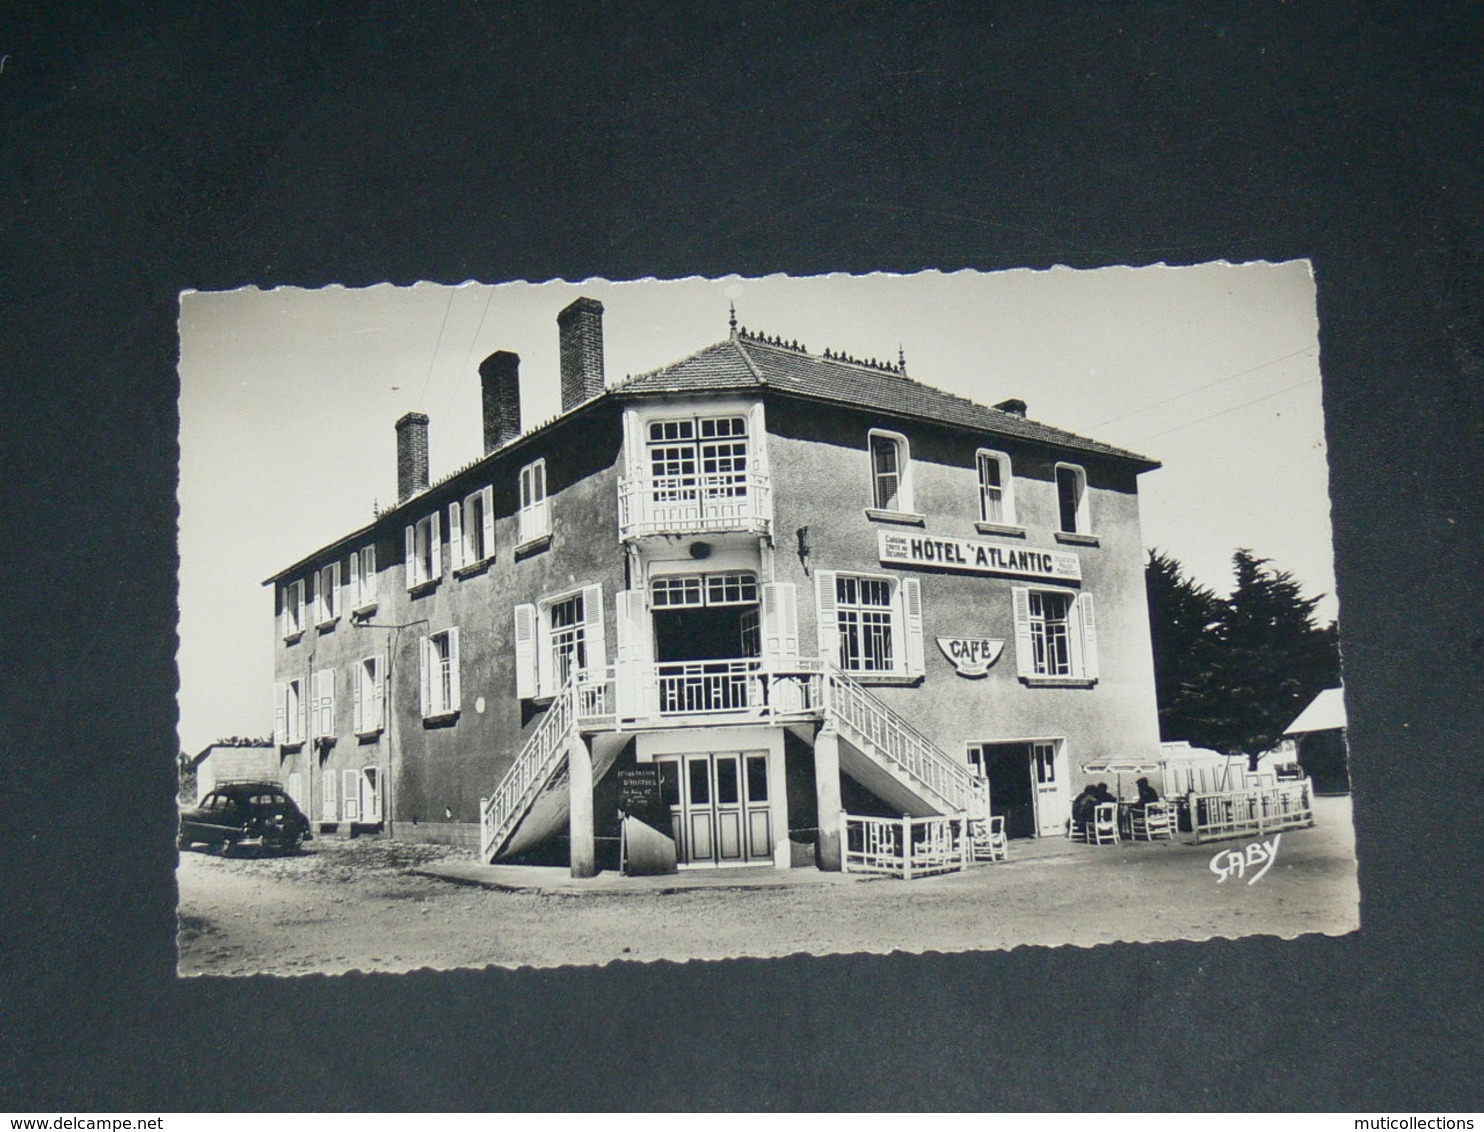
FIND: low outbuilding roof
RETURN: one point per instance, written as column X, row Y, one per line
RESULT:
column 1326, row 712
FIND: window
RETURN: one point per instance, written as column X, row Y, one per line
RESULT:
column 327, row 595
column 1055, row 636
column 705, row 456
column 363, row 578
column 561, row 636
column 1049, row 613
column 424, row 552
column 1071, row 498
column 678, row 591
column 996, row 493
column 864, row 611
column 440, row 674
column 566, row 638
column 288, row 713
column 471, row 529
column 292, row 609
column 350, row 796
column 370, row 695
column 889, row 461
column 870, row 625
column 535, row 511
column 324, row 703
column 1043, row 756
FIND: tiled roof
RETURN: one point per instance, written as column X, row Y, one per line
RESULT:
column 745, row 362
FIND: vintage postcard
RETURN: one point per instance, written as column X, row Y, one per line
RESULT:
column 570, row 623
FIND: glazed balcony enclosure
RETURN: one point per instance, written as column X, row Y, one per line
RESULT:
column 694, row 503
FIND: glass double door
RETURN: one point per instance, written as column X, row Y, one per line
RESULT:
column 719, row 807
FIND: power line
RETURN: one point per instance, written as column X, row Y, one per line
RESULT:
column 1233, row 409
column 1208, row 385
column 469, row 354
column 421, row 400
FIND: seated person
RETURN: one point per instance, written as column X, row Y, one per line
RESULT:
column 1082, row 807
column 1147, row 794
column 1103, row 795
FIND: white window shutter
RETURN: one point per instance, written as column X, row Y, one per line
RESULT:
column 1025, row 653
column 780, row 619
column 358, row 699
column 594, row 630
column 424, row 659
column 283, row 611
column 299, row 603
column 757, row 439
column 349, row 796
column 337, row 589
column 280, row 714
column 453, row 671
column 368, row 570
column 435, row 544
column 412, row 578
column 768, row 626
column 355, row 580
column 828, row 624
column 487, row 520
column 329, row 809
column 1089, row 637
column 525, row 652
column 327, row 704
column 378, row 692
column 299, row 710
column 456, row 535
column 912, row 608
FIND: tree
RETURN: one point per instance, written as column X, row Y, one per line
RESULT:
column 1231, row 673
column 1183, row 617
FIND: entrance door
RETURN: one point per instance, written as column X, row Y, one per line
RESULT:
column 1048, row 772
column 1027, row 785
column 718, row 807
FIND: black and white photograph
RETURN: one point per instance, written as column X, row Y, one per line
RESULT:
column 572, row 623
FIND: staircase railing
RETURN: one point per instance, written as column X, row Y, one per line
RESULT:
column 501, row 812
column 885, row 736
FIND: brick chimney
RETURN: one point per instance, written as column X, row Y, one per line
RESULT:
column 580, row 331
column 500, row 376
column 412, row 455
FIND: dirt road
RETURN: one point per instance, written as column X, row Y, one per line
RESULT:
column 357, row 905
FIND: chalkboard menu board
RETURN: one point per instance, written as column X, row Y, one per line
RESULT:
column 639, row 795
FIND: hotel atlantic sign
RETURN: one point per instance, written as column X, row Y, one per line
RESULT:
column 971, row 556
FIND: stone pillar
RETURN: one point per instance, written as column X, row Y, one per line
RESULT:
column 580, row 808
column 827, row 792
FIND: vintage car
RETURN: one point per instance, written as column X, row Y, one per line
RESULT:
column 258, row 812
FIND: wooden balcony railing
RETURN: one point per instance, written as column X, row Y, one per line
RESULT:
column 703, row 502
column 635, row 696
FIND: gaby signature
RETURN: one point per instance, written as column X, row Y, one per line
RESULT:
column 1237, row 863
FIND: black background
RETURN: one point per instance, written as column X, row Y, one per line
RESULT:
column 147, row 151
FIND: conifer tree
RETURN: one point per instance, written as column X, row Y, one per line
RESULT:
column 1257, row 658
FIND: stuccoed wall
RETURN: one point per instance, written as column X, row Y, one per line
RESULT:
column 436, row 775
column 821, row 477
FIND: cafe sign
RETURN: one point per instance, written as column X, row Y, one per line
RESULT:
column 971, row 656
column 972, row 556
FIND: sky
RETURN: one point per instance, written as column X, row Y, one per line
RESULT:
column 289, row 397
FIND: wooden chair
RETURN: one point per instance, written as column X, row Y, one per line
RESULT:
column 987, row 840
column 1157, row 820
column 1103, row 829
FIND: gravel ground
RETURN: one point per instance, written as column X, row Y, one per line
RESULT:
column 356, row 905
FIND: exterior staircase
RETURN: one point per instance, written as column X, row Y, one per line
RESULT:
column 933, row 781
column 887, row 755
column 542, row 756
